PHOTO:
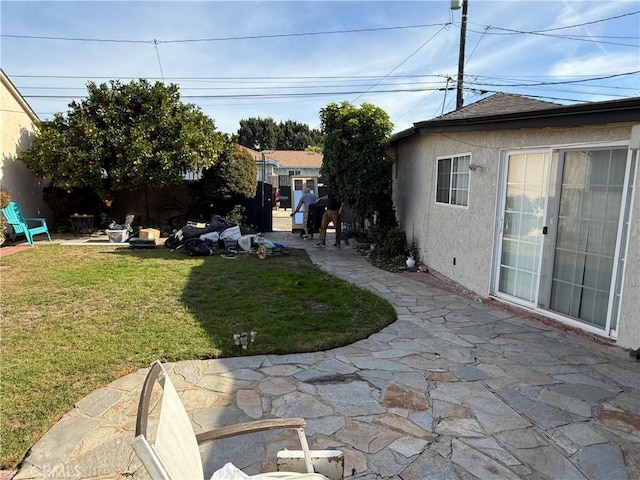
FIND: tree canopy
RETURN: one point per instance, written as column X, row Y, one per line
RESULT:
column 265, row 134
column 355, row 165
column 124, row 137
column 232, row 178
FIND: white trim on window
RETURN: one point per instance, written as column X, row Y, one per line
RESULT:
column 452, row 180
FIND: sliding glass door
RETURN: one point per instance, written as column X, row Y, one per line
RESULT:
column 562, row 234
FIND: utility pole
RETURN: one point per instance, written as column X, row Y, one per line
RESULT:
column 455, row 5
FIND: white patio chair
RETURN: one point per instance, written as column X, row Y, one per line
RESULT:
column 175, row 454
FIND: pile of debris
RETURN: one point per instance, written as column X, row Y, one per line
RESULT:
column 202, row 241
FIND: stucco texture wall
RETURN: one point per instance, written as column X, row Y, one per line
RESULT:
column 17, row 133
column 629, row 325
column 445, row 232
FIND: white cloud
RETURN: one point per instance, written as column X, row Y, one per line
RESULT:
column 600, row 64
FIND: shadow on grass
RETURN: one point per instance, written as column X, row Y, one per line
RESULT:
column 290, row 304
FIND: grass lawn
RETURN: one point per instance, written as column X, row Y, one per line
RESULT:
column 75, row 318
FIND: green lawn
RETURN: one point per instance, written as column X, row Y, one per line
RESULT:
column 75, row 318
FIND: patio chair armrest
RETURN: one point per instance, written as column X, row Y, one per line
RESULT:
column 250, row 427
column 32, row 219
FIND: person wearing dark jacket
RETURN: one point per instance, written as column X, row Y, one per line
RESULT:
column 331, row 215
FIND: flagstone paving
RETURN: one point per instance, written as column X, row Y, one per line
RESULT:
column 454, row 389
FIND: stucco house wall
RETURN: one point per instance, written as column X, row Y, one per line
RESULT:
column 444, row 232
column 18, row 127
column 304, row 171
column 629, row 327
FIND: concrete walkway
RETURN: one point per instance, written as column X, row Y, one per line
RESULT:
column 453, row 389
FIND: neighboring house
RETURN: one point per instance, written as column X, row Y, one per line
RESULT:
column 280, row 165
column 19, row 123
column 266, row 166
column 298, row 163
column 531, row 203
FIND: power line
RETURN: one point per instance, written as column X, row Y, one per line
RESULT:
column 564, row 82
column 564, row 37
column 245, row 78
column 504, row 31
column 474, row 82
column 261, row 84
column 155, row 43
column 269, row 78
column 221, row 39
column 582, row 38
column 401, row 63
column 269, row 95
column 576, row 24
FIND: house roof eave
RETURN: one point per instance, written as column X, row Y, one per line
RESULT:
column 403, row 134
column 615, row 111
column 19, row 98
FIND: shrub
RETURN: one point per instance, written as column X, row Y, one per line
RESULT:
column 5, row 198
column 236, row 215
column 391, row 243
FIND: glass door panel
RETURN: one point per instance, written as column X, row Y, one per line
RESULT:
column 589, row 213
column 521, row 240
column 298, row 185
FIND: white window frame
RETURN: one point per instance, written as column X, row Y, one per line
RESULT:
column 452, row 175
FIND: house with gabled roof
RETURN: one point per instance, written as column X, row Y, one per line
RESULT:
column 299, row 163
column 19, row 124
column 532, row 204
column 281, row 165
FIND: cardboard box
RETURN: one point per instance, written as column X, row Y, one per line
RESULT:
column 149, row 234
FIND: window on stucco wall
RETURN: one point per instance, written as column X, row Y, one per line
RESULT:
column 452, row 180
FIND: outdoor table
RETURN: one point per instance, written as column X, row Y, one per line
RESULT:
column 81, row 224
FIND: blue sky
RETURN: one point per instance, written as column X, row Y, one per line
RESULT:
column 287, row 60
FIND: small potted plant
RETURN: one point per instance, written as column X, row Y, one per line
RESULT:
column 412, row 252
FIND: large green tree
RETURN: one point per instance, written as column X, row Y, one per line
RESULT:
column 258, row 133
column 124, row 137
column 297, row 136
column 265, row 134
column 231, row 180
column 355, row 165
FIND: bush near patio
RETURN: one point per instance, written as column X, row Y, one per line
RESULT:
column 74, row 319
column 357, row 169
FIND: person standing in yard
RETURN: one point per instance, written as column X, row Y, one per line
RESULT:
column 331, row 215
column 308, row 198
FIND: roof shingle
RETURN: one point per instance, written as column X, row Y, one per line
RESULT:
column 295, row 158
column 288, row 158
column 497, row 104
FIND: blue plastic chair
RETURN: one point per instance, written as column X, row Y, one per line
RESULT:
column 20, row 224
